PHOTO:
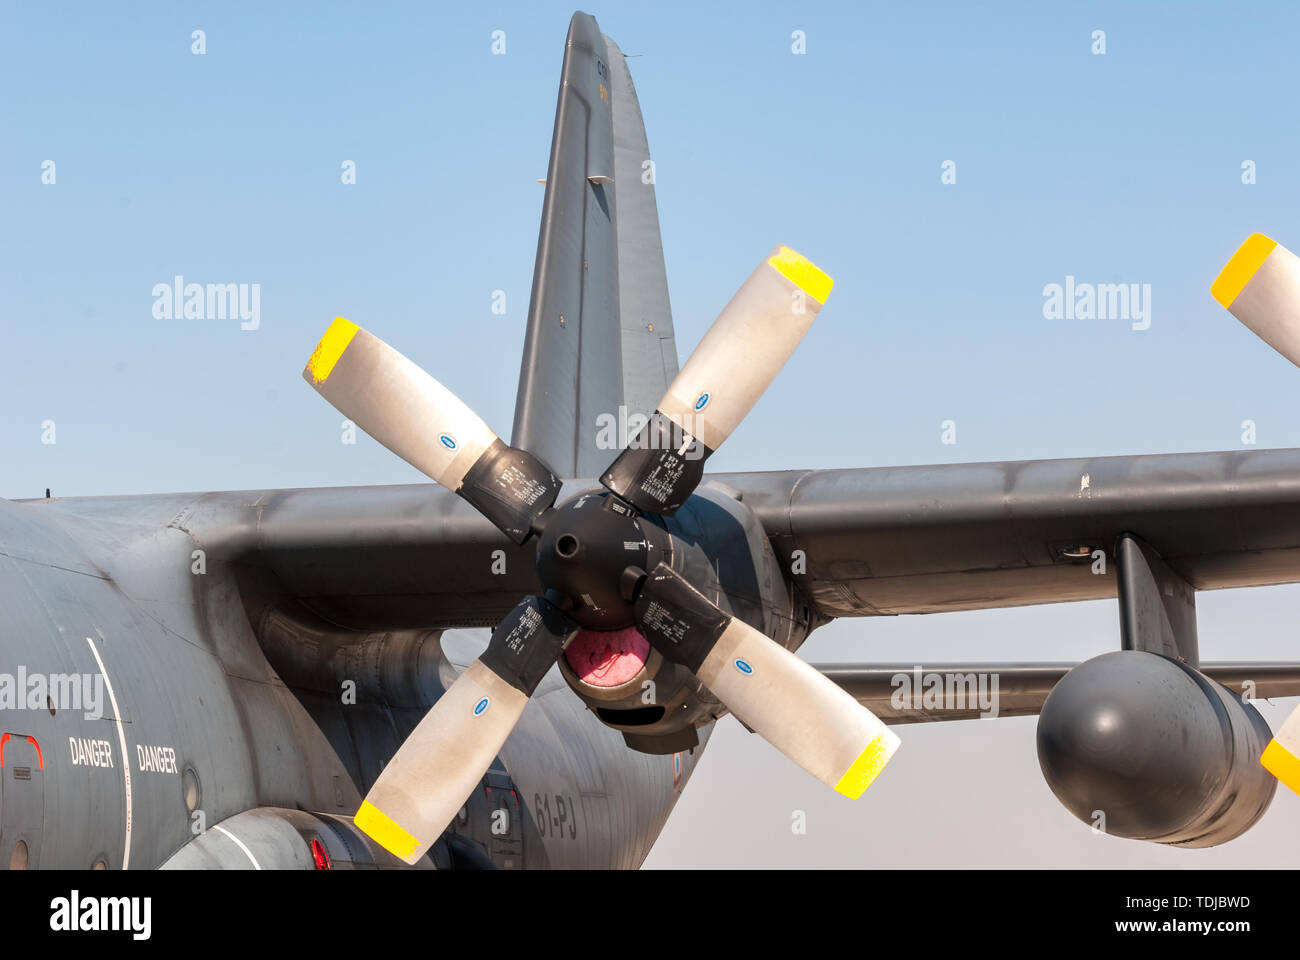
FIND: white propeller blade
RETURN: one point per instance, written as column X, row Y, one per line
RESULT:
column 736, row 361
column 798, row 710
column 440, row 763
column 426, row 425
column 1260, row 286
column 1282, row 755
column 446, row 755
column 397, row 403
column 786, row 701
column 746, row 347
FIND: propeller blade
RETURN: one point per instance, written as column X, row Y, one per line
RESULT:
column 1282, row 755
column 1260, row 286
column 449, row 751
column 428, row 426
column 736, row 361
column 787, row 702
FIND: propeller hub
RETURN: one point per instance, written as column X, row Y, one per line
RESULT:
column 586, row 545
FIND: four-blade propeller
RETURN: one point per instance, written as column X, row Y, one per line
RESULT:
column 794, row 707
column 775, row 693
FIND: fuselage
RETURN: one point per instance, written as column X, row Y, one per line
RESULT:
column 139, row 708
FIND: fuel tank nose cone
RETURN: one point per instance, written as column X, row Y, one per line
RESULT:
column 1142, row 746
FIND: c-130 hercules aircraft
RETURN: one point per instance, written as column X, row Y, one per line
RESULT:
column 290, row 684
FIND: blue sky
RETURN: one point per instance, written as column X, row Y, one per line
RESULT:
column 226, row 168
column 1124, row 167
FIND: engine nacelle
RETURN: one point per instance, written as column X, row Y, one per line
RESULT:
column 1162, row 751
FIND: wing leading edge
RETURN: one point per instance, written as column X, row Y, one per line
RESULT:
column 925, row 539
column 876, row 541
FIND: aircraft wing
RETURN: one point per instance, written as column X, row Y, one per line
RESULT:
column 924, row 539
column 874, row 541
column 897, row 692
column 376, row 558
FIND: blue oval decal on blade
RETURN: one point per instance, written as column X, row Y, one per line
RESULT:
column 744, row 667
column 448, row 441
column 702, row 402
column 481, row 707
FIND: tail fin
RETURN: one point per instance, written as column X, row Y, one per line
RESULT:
column 599, row 325
column 649, row 349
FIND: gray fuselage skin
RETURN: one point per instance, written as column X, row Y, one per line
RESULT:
column 208, row 723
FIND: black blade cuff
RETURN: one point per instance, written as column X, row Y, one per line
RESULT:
column 527, row 643
column 677, row 619
column 659, row 468
column 510, row 487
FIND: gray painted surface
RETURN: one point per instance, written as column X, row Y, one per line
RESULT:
column 250, row 699
column 1022, row 687
column 198, row 665
column 649, row 347
column 190, row 660
column 969, row 536
column 1157, row 607
column 572, row 363
column 1145, row 747
column 600, row 266
column 876, row 541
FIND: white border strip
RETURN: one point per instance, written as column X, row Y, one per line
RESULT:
column 126, row 757
column 239, row 843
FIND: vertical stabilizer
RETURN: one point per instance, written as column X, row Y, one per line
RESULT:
column 572, row 368
column 599, row 327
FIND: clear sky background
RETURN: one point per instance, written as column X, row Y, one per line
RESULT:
column 1122, row 167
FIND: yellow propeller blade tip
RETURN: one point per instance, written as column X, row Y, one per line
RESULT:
column 867, row 767
column 1282, row 763
column 1232, row 279
column 385, row 831
column 802, row 272
column 331, row 347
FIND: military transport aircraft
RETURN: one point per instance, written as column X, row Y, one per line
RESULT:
column 294, row 678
